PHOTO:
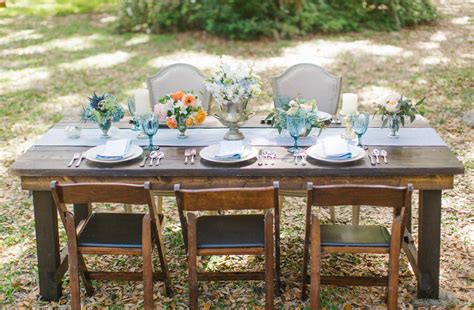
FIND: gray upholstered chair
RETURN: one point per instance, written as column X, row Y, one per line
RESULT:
column 310, row 81
column 176, row 77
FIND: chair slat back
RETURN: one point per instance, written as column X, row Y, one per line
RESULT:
column 372, row 195
column 310, row 81
column 77, row 193
column 226, row 198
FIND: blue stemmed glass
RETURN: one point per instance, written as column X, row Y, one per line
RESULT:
column 360, row 123
column 295, row 126
column 150, row 126
column 132, row 110
column 281, row 100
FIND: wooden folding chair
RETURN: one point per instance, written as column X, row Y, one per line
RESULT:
column 352, row 238
column 111, row 233
column 235, row 234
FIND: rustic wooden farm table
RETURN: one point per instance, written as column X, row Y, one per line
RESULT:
column 430, row 169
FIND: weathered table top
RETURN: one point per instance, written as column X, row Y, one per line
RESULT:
column 426, row 167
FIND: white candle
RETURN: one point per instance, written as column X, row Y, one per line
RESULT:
column 349, row 104
column 142, row 101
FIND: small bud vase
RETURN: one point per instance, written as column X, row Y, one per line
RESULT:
column 105, row 129
column 393, row 126
column 182, row 131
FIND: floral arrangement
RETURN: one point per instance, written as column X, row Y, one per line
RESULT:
column 102, row 110
column 233, row 83
column 397, row 106
column 180, row 109
column 307, row 109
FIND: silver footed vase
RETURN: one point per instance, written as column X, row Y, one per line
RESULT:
column 234, row 115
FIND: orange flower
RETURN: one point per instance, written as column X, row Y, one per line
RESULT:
column 200, row 116
column 177, row 95
column 189, row 122
column 171, row 122
column 189, row 100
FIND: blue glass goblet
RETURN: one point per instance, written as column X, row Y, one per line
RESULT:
column 132, row 110
column 295, row 126
column 150, row 126
column 360, row 123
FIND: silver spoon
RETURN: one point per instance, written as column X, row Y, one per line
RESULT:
column 384, row 155
column 153, row 155
column 159, row 156
column 376, row 153
column 76, row 156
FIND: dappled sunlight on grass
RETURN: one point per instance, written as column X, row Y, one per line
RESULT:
column 136, row 40
column 66, row 44
column 320, row 52
column 29, row 34
column 104, row 60
column 23, row 79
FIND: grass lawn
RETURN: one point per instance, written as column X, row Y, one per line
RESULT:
column 50, row 64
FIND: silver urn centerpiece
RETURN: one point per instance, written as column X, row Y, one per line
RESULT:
column 234, row 115
column 233, row 87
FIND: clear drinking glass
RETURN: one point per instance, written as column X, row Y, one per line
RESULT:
column 281, row 100
column 150, row 125
column 295, row 126
column 360, row 123
column 132, row 110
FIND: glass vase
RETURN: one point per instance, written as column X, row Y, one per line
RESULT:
column 105, row 129
column 393, row 126
column 182, row 131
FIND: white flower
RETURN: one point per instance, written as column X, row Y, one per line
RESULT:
column 292, row 111
column 391, row 104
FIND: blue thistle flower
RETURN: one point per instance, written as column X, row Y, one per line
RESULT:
column 94, row 100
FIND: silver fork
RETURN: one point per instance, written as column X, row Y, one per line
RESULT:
column 193, row 154
column 187, row 153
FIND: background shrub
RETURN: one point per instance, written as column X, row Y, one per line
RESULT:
column 248, row 19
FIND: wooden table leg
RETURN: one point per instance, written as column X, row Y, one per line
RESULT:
column 429, row 243
column 47, row 245
column 81, row 211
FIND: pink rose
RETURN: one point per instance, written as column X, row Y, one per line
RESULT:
column 161, row 111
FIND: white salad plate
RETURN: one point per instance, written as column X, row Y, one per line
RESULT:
column 209, row 152
column 133, row 152
column 316, row 152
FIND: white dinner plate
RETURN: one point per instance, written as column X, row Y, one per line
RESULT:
column 133, row 152
column 316, row 152
column 210, row 151
column 323, row 116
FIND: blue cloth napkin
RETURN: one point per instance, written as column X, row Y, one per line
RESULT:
column 336, row 148
column 114, row 150
column 230, row 150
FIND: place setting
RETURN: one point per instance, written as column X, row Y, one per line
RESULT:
column 229, row 152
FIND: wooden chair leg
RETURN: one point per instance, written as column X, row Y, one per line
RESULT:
column 85, row 276
column 73, row 262
column 332, row 213
column 127, row 208
column 304, row 276
column 315, row 263
column 394, row 264
column 192, row 262
column 269, row 262
column 278, row 286
column 147, row 249
column 159, row 204
column 355, row 215
column 164, row 265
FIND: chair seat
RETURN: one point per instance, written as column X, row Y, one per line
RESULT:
column 113, row 230
column 230, row 231
column 355, row 235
